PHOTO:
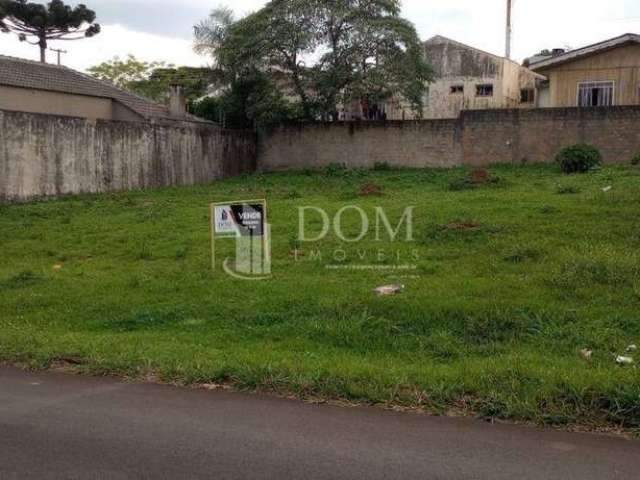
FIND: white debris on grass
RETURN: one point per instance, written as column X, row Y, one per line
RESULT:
column 385, row 290
column 622, row 360
column 632, row 348
column 607, row 189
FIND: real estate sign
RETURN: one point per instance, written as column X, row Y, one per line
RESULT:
column 239, row 219
column 246, row 221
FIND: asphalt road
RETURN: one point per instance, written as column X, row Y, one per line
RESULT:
column 66, row 426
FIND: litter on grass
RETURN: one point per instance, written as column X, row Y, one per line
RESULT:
column 586, row 354
column 389, row 290
column 622, row 360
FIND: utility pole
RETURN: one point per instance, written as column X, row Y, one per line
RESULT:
column 509, row 28
column 58, row 51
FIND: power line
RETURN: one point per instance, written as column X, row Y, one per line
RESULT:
column 58, row 51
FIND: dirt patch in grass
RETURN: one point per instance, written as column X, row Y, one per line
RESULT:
column 480, row 176
column 370, row 190
column 464, row 225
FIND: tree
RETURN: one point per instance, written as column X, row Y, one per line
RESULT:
column 124, row 73
column 152, row 79
column 370, row 52
column 194, row 80
column 273, row 39
column 37, row 24
column 210, row 34
column 250, row 102
column 332, row 51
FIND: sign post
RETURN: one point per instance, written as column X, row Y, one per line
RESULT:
column 246, row 221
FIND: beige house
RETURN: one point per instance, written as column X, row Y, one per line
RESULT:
column 467, row 79
column 34, row 87
column 600, row 75
column 470, row 79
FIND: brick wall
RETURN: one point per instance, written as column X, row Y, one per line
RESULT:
column 476, row 138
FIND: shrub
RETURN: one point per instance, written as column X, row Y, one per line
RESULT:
column 460, row 184
column 335, row 170
column 382, row 167
column 636, row 159
column 578, row 158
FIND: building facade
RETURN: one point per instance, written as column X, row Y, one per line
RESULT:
column 470, row 79
column 465, row 78
column 601, row 75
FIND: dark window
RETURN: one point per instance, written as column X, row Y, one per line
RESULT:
column 457, row 89
column 595, row 94
column 527, row 95
column 484, row 90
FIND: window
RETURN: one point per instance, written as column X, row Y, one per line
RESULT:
column 527, row 95
column 595, row 94
column 425, row 97
column 456, row 89
column 484, row 90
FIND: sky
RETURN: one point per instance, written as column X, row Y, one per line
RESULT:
column 161, row 30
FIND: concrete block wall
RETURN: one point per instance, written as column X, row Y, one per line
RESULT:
column 479, row 137
column 48, row 155
column 536, row 135
column 432, row 143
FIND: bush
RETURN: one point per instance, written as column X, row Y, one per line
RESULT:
column 636, row 160
column 382, row 167
column 579, row 158
column 335, row 170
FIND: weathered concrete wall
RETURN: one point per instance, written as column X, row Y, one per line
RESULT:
column 476, row 138
column 44, row 155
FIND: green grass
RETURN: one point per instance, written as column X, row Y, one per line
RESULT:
column 491, row 322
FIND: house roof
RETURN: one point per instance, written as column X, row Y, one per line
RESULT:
column 572, row 55
column 440, row 39
column 18, row 72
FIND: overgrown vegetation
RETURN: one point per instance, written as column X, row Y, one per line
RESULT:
column 579, row 158
column 320, row 53
column 250, row 102
column 153, row 79
column 509, row 285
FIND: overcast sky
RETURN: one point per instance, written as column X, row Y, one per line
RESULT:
column 161, row 29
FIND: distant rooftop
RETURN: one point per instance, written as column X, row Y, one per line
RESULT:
column 18, row 72
column 440, row 39
column 539, row 62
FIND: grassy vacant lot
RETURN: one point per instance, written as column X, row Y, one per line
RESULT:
column 513, row 279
